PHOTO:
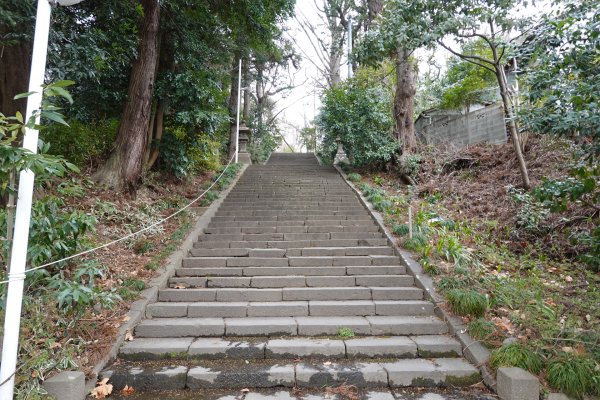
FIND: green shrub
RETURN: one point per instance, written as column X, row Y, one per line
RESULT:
column 480, row 328
column 401, row 230
column 357, row 111
column 516, row 355
column 573, row 375
column 82, row 143
column 354, row 177
column 448, row 283
column 467, row 302
column 209, row 197
column 416, row 242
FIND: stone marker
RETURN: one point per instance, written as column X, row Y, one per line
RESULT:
column 517, row 384
column 67, row 385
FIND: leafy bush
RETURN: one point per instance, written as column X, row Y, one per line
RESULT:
column 82, row 143
column 516, row 355
column 354, row 177
column 183, row 153
column 531, row 213
column 358, row 113
column 401, row 229
column 573, row 375
column 467, row 302
column 55, row 232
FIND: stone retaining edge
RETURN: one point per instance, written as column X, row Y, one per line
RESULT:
column 150, row 295
column 473, row 351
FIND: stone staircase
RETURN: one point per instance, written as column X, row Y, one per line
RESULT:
column 291, row 285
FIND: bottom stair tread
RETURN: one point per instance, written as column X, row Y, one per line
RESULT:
column 266, row 374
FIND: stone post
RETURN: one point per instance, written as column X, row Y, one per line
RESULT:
column 340, row 156
column 243, row 155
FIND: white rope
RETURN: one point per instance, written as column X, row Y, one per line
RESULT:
column 21, row 276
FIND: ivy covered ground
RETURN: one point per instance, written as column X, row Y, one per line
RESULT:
column 521, row 268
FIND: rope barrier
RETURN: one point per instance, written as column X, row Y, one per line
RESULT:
column 21, row 276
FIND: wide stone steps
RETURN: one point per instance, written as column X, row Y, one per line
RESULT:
column 291, row 294
column 213, row 374
column 275, row 258
column 295, row 252
column 289, row 326
column 289, row 271
column 429, row 346
column 316, row 308
column 279, row 244
column 276, row 281
column 292, row 285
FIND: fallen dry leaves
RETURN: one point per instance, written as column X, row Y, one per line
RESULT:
column 103, row 389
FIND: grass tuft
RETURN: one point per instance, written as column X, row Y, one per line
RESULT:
column 400, row 230
column 516, row 355
column 354, row 177
column 572, row 375
column 467, row 302
column 481, row 329
column 345, row 333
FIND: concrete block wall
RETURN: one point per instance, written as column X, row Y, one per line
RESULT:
column 483, row 125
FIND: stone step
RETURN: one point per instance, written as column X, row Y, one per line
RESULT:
column 295, row 213
column 250, row 237
column 294, row 252
column 427, row 346
column 317, row 222
column 290, row 294
column 184, row 273
column 242, row 218
column 292, row 229
column 218, row 374
column 316, row 308
column 290, row 261
column 278, row 244
column 289, row 326
column 279, row 281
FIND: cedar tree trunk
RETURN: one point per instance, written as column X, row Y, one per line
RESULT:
column 406, row 89
column 123, row 169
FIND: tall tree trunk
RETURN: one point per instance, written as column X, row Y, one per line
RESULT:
column 123, row 169
column 512, row 124
column 15, row 62
column 406, row 88
column 157, row 133
column 260, row 97
column 246, row 83
column 232, row 106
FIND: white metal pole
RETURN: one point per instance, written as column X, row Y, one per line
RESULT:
column 350, row 71
column 14, row 297
column 239, row 102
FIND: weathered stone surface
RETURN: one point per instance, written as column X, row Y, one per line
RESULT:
column 278, row 309
column 415, row 372
column 167, row 310
column 403, row 307
column 406, row 325
column 236, row 294
column 330, row 281
column 155, row 348
column 180, row 327
column 263, row 326
column 341, row 308
column 241, row 376
column 217, row 309
column 315, row 326
column 188, row 295
column 357, row 374
column 66, row 385
column 517, row 384
column 343, row 293
column 301, row 347
column 147, row 378
column 386, row 347
column 218, row 349
column 430, row 346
